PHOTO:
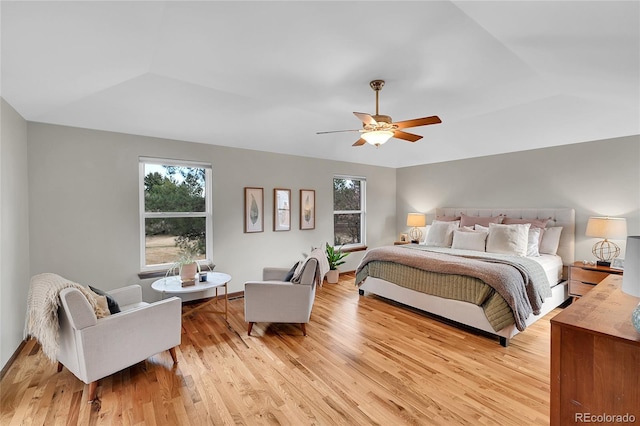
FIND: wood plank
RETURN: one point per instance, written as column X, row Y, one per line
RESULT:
column 363, row 361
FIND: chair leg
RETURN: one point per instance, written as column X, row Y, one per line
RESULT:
column 93, row 387
column 60, row 366
column 304, row 328
column 249, row 329
column 172, row 351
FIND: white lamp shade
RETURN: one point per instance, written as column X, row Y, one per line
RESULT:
column 416, row 220
column 614, row 228
column 631, row 273
column 377, row 137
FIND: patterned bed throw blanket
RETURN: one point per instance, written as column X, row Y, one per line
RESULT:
column 521, row 282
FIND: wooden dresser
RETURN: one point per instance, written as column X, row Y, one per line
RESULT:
column 595, row 357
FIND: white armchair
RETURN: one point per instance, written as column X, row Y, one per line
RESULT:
column 279, row 301
column 94, row 348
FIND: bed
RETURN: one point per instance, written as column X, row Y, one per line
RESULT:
column 393, row 280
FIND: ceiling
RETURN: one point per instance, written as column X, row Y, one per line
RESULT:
column 502, row 76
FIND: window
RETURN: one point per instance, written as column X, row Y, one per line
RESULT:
column 175, row 211
column 349, row 210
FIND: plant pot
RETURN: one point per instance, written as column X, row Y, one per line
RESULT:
column 188, row 274
column 332, row 276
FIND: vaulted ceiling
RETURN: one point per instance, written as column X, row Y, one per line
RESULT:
column 502, row 76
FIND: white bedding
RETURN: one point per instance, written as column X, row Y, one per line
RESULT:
column 472, row 315
column 552, row 265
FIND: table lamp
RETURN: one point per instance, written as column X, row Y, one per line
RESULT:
column 631, row 275
column 606, row 227
column 416, row 220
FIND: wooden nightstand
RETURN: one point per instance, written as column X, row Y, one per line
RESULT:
column 400, row 243
column 583, row 278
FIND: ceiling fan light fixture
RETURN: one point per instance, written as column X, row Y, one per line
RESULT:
column 377, row 137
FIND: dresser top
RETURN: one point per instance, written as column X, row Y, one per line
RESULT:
column 604, row 310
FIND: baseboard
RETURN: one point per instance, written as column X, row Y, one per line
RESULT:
column 12, row 359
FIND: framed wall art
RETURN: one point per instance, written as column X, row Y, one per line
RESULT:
column 253, row 210
column 281, row 209
column 307, row 209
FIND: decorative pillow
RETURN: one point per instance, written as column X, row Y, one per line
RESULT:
column 426, row 232
column 291, row 272
column 469, row 240
column 447, row 218
column 535, row 223
column 111, row 302
column 474, row 220
column 481, row 228
column 534, row 241
column 508, row 239
column 441, row 234
column 103, row 305
column 550, row 240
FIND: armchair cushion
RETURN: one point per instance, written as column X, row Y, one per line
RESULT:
column 111, row 302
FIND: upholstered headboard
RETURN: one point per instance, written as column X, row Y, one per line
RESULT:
column 559, row 217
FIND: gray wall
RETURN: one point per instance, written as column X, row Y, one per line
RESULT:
column 14, row 230
column 82, row 201
column 600, row 178
column 84, row 205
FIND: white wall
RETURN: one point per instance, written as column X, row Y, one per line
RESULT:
column 14, row 230
column 84, row 204
column 600, row 178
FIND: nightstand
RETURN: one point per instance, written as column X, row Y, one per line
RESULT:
column 583, row 278
column 400, row 243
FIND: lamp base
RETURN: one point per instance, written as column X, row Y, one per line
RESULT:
column 603, row 263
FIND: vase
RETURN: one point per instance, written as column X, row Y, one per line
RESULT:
column 635, row 317
column 332, row 276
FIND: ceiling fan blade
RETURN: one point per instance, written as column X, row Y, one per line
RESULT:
column 365, row 118
column 360, row 142
column 418, row 122
column 336, row 131
column 406, row 136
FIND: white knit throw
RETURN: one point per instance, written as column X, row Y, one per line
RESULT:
column 43, row 302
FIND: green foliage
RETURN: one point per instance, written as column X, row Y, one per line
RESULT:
column 347, row 198
column 188, row 254
column 170, row 193
column 335, row 256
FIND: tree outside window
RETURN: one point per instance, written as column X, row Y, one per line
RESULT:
column 348, row 210
column 176, row 215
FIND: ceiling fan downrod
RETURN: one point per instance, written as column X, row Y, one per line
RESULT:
column 377, row 85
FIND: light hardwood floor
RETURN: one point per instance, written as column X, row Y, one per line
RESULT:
column 364, row 361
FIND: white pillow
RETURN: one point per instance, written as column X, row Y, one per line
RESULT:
column 426, row 232
column 534, row 242
column 508, row 239
column 481, row 228
column 550, row 240
column 441, row 234
column 469, row 240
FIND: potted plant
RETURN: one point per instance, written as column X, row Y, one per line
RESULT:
column 335, row 258
column 186, row 266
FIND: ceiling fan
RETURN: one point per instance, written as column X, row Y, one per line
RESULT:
column 378, row 129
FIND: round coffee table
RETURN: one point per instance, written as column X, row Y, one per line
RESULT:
column 173, row 285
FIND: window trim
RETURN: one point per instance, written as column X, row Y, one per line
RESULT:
column 362, row 211
column 207, row 214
